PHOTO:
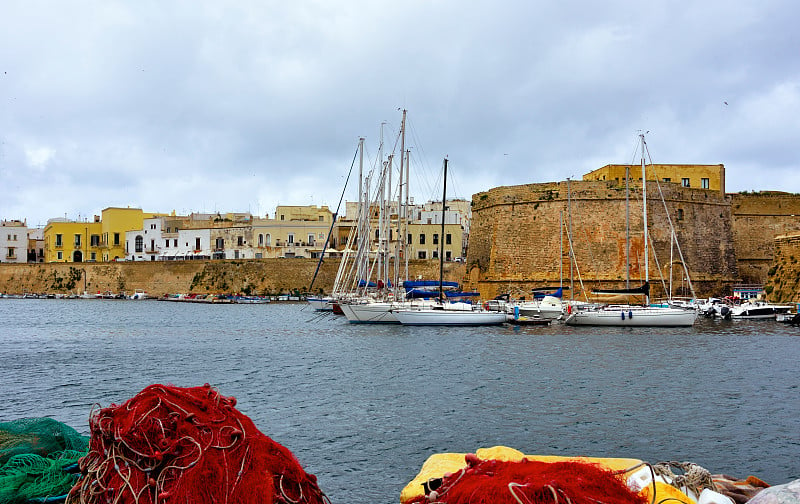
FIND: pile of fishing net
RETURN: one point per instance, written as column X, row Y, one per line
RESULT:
column 529, row 482
column 38, row 460
column 177, row 445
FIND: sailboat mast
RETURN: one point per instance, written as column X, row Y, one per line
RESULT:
column 569, row 236
column 644, row 219
column 404, row 236
column 400, row 210
column 441, row 238
column 627, row 228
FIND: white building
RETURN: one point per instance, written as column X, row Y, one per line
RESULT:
column 13, row 241
column 145, row 244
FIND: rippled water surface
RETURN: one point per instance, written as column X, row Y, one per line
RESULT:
column 362, row 407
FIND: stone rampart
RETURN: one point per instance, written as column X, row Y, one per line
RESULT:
column 757, row 219
column 783, row 277
column 520, row 237
column 256, row 276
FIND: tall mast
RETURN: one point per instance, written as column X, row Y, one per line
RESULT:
column 441, row 238
column 569, row 237
column 407, row 218
column 400, row 210
column 644, row 220
column 627, row 230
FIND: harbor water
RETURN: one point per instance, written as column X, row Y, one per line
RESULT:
column 363, row 406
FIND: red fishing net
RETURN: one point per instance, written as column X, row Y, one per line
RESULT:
column 186, row 445
column 530, row 482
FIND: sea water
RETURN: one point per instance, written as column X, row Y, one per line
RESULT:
column 363, row 406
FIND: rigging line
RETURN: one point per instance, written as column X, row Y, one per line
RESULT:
column 673, row 235
column 333, row 221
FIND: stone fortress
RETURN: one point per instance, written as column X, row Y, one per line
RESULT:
column 520, row 235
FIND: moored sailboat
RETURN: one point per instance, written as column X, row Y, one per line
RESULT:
column 630, row 314
column 444, row 313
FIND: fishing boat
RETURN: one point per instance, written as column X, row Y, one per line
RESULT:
column 631, row 314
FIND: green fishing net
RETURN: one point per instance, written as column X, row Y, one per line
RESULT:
column 37, row 460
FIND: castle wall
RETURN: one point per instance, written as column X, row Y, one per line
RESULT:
column 783, row 277
column 516, row 241
column 757, row 219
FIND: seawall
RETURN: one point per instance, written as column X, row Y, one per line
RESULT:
column 257, row 276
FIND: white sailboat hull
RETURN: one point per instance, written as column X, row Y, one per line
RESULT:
column 632, row 316
column 449, row 317
column 369, row 313
column 320, row 304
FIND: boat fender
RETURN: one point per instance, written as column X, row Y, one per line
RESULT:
column 630, row 314
column 516, row 313
column 623, row 315
column 569, row 309
column 708, row 496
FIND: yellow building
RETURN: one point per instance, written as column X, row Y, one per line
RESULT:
column 72, row 241
column 425, row 241
column 103, row 239
column 711, row 177
column 296, row 231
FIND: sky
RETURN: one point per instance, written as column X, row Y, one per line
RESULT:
column 218, row 106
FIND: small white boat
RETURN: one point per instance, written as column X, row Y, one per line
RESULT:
column 631, row 316
column 758, row 310
column 139, row 294
column 321, row 303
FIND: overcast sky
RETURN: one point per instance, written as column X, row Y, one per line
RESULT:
column 241, row 106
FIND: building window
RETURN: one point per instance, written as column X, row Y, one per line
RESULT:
column 77, row 240
column 175, row 242
column 282, row 218
column 436, row 238
column 311, row 238
column 58, row 241
column 139, row 243
column 321, row 218
column 11, row 253
column 197, row 244
column 94, row 256
column 219, row 244
column 421, row 254
column 291, row 239
column 409, row 238
column 260, row 240
column 422, row 241
column 268, row 240
column 94, row 240
column 448, row 256
column 166, row 243
column 240, row 241
column 680, row 214
column 685, row 182
column 704, row 183
column 667, row 179
column 435, row 254
column 116, row 238
column 59, row 255
column 448, row 239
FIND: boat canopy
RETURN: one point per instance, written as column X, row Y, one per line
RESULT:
column 644, row 289
column 416, row 284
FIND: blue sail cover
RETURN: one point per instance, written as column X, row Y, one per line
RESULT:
column 428, row 294
column 415, row 284
column 539, row 295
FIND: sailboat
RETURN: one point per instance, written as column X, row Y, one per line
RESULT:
column 629, row 314
column 443, row 313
